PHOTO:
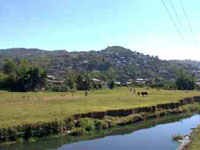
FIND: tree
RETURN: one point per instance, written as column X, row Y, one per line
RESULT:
column 84, row 81
column 185, row 81
column 23, row 67
column 71, row 80
column 88, row 82
column 4, row 81
column 9, row 67
column 32, row 80
column 111, row 85
column 35, row 78
column 22, row 78
column 112, row 74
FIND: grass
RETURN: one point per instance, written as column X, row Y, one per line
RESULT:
column 195, row 138
column 28, row 108
column 177, row 137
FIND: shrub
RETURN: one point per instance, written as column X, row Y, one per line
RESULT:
column 177, row 137
column 32, row 139
column 86, row 123
column 99, row 124
column 69, row 123
column 77, row 131
column 20, row 140
column 111, row 85
column 112, row 124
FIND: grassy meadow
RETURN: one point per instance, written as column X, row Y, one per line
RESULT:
column 195, row 138
column 19, row 108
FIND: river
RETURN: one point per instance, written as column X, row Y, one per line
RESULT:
column 154, row 134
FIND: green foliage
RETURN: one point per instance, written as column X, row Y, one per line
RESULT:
column 32, row 139
column 20, row 140
column 77, row 131
column 84, row 81
column 100, row 124
column 111, row 84
column 57, row 88
column 22, row 77
column 3, row 80
column 9, row 67
column 177, row 137
column 195, row 138
column 35, row 79
column 191, row 108
column 71, row 80
column 185, row 81
column 70, row 123
column 113, row 63
column 23, row 67
column 169, row 85
column 86, row 123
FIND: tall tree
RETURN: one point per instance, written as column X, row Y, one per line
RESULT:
column 71, row 80
column 23, row 67
column 9, row 67
column 185, row 81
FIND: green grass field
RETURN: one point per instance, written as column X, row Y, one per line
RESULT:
column 24, row 108
column 195, row 138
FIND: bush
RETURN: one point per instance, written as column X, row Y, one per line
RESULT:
column 111, row 85
column 70, row 124
column 112, row 124
column 86, row 123
column 77, row 131
column 58, row 88
column 20, row 140
column 99, row 124
column 32, row 139
column 177, row 137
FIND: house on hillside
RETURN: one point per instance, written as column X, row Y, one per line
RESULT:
column 140, row 81
column 53, row 81
column 118, row 83
column 96, row 80
column 51, row 77
column 198, row 82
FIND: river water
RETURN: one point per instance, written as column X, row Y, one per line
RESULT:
column 155, row 134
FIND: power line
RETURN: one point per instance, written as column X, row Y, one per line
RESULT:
column 173, row 21
column 188, row 21
column 178, row 18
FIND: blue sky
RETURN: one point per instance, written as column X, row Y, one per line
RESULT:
column 78, row 25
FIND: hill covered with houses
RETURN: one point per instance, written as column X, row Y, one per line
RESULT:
column 119, row 63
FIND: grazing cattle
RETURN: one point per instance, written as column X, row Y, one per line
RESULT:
column 138, row 93
column 144, row 94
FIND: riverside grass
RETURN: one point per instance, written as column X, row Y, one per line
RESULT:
column 195, row 139
column 18, row 108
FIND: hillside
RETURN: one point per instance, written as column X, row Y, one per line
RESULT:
column 125, row 63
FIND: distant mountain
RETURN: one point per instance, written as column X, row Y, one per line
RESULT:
column 127, row 63
column 23, row 52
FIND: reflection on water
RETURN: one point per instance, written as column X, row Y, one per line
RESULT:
column 155, row 134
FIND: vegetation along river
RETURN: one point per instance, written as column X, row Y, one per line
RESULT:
column 154, row 134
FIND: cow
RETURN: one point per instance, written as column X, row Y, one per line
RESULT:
column 144, row 94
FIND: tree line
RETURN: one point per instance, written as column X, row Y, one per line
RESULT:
column 82, row 81
column 22, row 76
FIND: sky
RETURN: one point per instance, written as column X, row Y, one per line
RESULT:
column 82, row 25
